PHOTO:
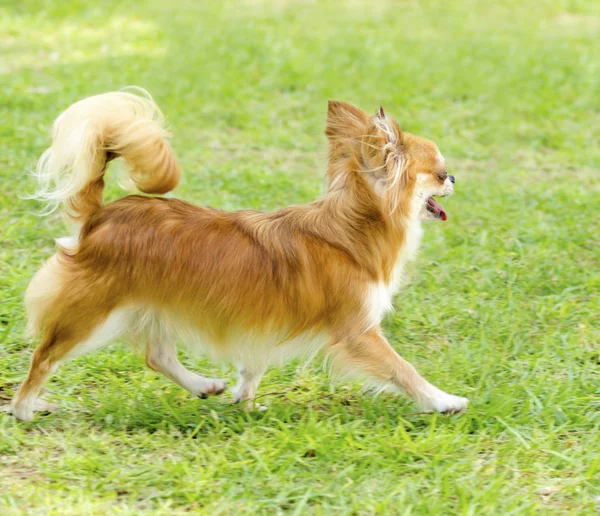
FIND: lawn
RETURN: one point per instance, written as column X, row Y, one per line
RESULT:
column 502, row 306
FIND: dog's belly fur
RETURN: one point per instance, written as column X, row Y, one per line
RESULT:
column 251, row 348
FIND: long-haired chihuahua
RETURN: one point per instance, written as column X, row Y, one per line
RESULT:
column 250, row 287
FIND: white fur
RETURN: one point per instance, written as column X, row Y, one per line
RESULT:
column 423, row 190
column 381, row 294
column 162, row 357
column 68, row 243
column 112, row 328
column 25, row 410
column 143, row 325
column 379, row 302
column 249, row 348
column 441, row 160
column 448, row 188
column 412, row 241
column 436, row 400
column 247, row 384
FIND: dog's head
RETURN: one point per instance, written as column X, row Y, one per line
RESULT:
column 403, row 171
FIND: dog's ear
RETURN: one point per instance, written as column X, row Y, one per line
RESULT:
column 385, row 164
column 345, row 121
column 382, row 138
column 381, row 123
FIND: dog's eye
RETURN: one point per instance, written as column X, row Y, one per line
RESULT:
column 443, row 176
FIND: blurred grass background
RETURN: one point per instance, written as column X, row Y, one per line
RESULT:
column 502, row 307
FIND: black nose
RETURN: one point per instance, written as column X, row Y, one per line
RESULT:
column 452, row 179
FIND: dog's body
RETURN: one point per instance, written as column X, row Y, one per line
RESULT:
column 250, row 287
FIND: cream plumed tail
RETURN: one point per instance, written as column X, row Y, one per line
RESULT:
column 92, row 132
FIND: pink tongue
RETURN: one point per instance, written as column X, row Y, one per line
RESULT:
column 437, row 208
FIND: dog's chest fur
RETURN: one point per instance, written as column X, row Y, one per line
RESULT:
column 380, row 294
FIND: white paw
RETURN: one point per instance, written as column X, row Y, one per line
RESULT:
column 241, row 393
column 24, row 411
column 249, row 405
column 440, row 401
column 206, row 387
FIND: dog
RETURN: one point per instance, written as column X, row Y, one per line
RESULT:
column 254, row 288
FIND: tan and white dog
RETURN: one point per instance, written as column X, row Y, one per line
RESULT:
column 250, row 287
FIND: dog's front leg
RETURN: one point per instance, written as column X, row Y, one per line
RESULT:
column 371, row 354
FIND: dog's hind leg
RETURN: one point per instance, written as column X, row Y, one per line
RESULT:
column 370, row 354
column 248, row 383
column 62, row 342
column 161, row 356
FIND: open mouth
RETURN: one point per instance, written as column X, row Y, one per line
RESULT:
column 436, row 208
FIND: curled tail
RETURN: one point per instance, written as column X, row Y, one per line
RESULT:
column 92, row 132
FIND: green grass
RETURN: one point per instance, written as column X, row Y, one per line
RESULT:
column 502, row 307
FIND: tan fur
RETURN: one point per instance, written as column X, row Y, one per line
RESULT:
column 251, row 287
column 41, row 293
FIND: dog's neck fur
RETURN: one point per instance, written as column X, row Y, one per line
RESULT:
column 380, row 244
column 349, row 218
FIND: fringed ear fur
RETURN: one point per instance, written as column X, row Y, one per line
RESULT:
column 345, row 121
column 386, row 163
column 345, row 128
